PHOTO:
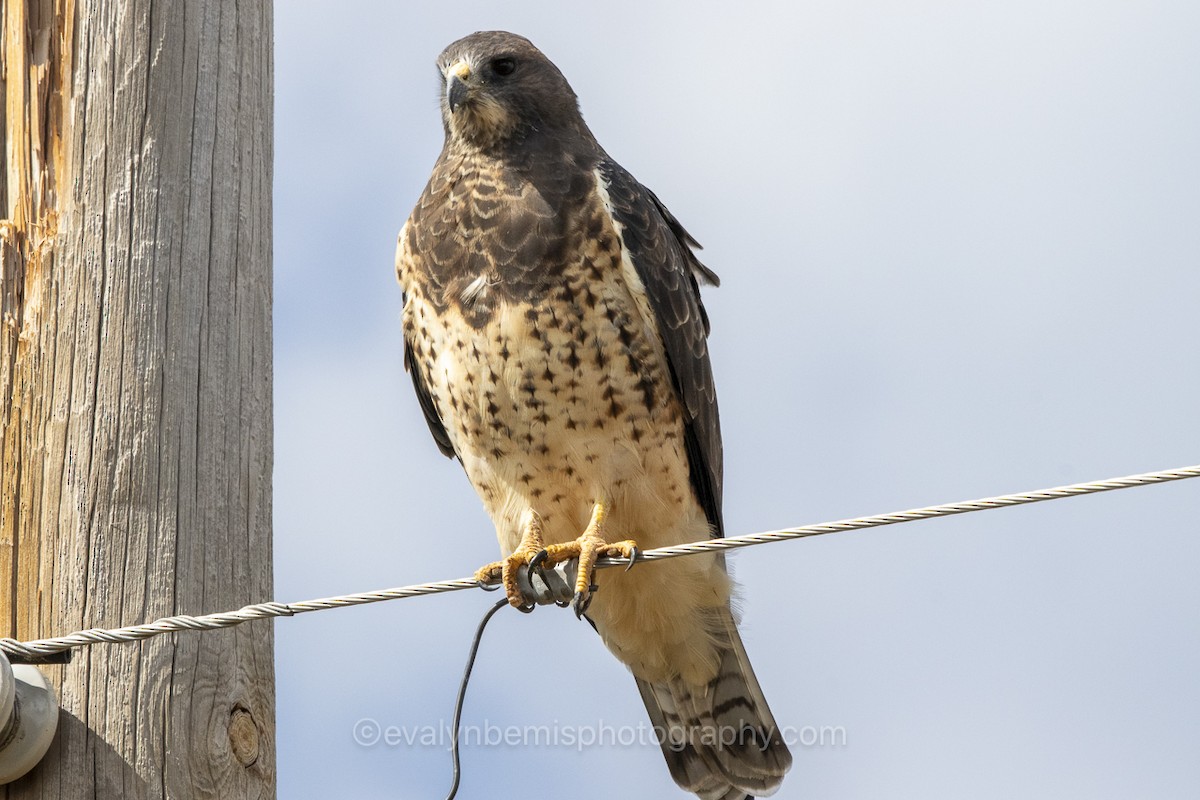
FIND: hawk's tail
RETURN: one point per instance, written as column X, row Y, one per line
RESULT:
column 720, row 740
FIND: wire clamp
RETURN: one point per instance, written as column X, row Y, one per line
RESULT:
column 554, row 585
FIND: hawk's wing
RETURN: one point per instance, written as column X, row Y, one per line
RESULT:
column 423, row 397
column 414, row 369
column 661, row 252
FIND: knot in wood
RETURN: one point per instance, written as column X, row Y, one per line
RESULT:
column 243, row 736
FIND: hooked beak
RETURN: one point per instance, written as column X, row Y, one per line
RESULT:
column 456, row 85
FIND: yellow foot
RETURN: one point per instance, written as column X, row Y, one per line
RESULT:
column 506, row 570
column 587, row 548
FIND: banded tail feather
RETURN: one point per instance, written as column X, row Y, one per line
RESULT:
column 720, row 740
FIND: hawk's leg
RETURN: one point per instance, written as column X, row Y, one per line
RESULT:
column 587, row 548
column 531, row 545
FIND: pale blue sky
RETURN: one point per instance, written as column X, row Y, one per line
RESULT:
column 960, row 251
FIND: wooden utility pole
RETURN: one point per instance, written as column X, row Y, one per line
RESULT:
column 135, row 383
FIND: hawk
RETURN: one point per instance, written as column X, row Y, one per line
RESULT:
column 554, row 333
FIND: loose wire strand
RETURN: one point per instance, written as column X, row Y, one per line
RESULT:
column 462, row 695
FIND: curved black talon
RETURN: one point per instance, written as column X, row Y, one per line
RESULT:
column 581, row 603
column 487, row 587
column 562, row 603
column 634, row 555
column 535, row 564
column 526, row 607
column 538, row 558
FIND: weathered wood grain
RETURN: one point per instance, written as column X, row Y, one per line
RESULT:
column 135, row 383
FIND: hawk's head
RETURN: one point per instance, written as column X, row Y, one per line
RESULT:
column 497, row 88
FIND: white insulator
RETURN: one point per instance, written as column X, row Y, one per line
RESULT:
column 28, row 718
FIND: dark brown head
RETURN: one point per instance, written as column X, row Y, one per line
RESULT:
column 498, row 88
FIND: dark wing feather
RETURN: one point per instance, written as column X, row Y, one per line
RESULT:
column 661, row 251
column 426, row 400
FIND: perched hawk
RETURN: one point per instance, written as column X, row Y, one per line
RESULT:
column 555, row 336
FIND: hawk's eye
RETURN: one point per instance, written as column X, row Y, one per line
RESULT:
column 504, row 66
